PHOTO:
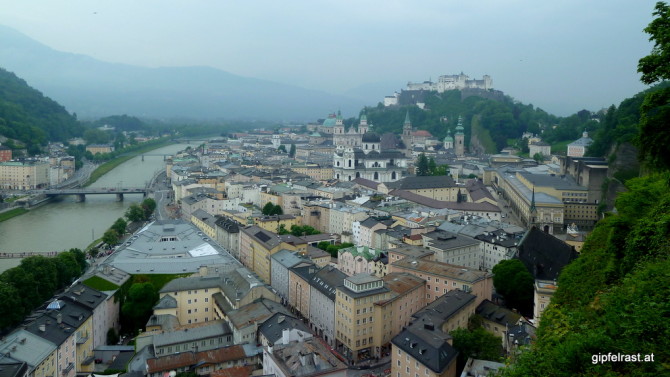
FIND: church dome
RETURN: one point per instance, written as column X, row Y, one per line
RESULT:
column 329, row 122
column 371, row 137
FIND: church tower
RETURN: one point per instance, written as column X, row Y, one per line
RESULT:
column 459, row 139
column 338, row 129
column 448, row 141
column 407, row 127
column 363, row 125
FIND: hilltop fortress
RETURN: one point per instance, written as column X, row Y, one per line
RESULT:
column 443, row 84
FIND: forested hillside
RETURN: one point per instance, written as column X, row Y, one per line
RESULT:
column 30, row 117
column 504, row 120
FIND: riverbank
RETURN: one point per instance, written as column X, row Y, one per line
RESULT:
column 12, row 213
column 111, row 164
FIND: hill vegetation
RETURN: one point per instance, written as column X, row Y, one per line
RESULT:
column 500, row 120
column 31, row 118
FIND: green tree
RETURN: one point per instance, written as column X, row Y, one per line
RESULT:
column 112, row 337
column 654, row 135
column 44, row 269
column 282, row 148
column 111, row 237
column 80, row 257
column 323, row 245
column 139, row 303
column 268, row 208
column 120, row 226
column 512, row 280
column 422, row 165
column 148, row 206
column 135, row 213
column 67, row 268
column 538, row 157
column 441, row 170
column 277, row 210
column 11, row 309
column 304, row 230
column 291, row 152
column 477, row 343
column 432, row 166
column 281, row 229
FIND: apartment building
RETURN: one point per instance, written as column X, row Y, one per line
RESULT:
column 355, row 316
column 24, row 175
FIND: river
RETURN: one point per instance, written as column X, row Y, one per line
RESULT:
column 65, row 224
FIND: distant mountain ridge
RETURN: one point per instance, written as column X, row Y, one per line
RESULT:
column 93, row 88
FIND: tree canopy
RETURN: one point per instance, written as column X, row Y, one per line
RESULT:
column 270, row 209
column 513, row 281
column 654, row 136
column 36, row 279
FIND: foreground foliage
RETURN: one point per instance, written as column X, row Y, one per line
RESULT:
column 35, row 280
column 614, row 297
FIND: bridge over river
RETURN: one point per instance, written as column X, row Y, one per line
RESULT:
column 82, row 192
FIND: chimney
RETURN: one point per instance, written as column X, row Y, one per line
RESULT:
column 43, row 328
column 59, row 318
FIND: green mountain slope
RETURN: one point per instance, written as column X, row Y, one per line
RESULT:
column 30, row 117
column 504, row 119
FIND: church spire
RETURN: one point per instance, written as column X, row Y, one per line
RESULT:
column 407, row 121
column 532, row 202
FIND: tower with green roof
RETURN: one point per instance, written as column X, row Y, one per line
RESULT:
column 459, row 139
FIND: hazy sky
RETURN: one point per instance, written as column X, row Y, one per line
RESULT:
column 561, row 55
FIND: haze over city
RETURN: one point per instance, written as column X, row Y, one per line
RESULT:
column 560, row 56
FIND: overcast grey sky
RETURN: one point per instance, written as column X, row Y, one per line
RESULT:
column 561, row 55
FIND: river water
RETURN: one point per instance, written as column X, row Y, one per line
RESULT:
column 66, row 224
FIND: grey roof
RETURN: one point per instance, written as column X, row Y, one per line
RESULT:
column 467, row 275
column 273, row 327
column 12, row 368
column 212, row 329
column 559, row 182
column 59, row 324
column 447, row 305
column 492, row 312
column 429, row 346
column 166, row 302
column 582, row 141
column 169, row 247
column 25, row 346
column 255, row 313
column 235, row 284
column 287, row 258
column 307, row 358
column 266, row 238
column 204, row 216
column 521, row 334
column 369, row 222
column 165, row 321
column 444, row 240
column 85, row 296
column 326, row 281
column 544, row 255
column 362, row 278
column 423, row 182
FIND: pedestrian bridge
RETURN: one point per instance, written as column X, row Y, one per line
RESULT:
column 82, row 192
